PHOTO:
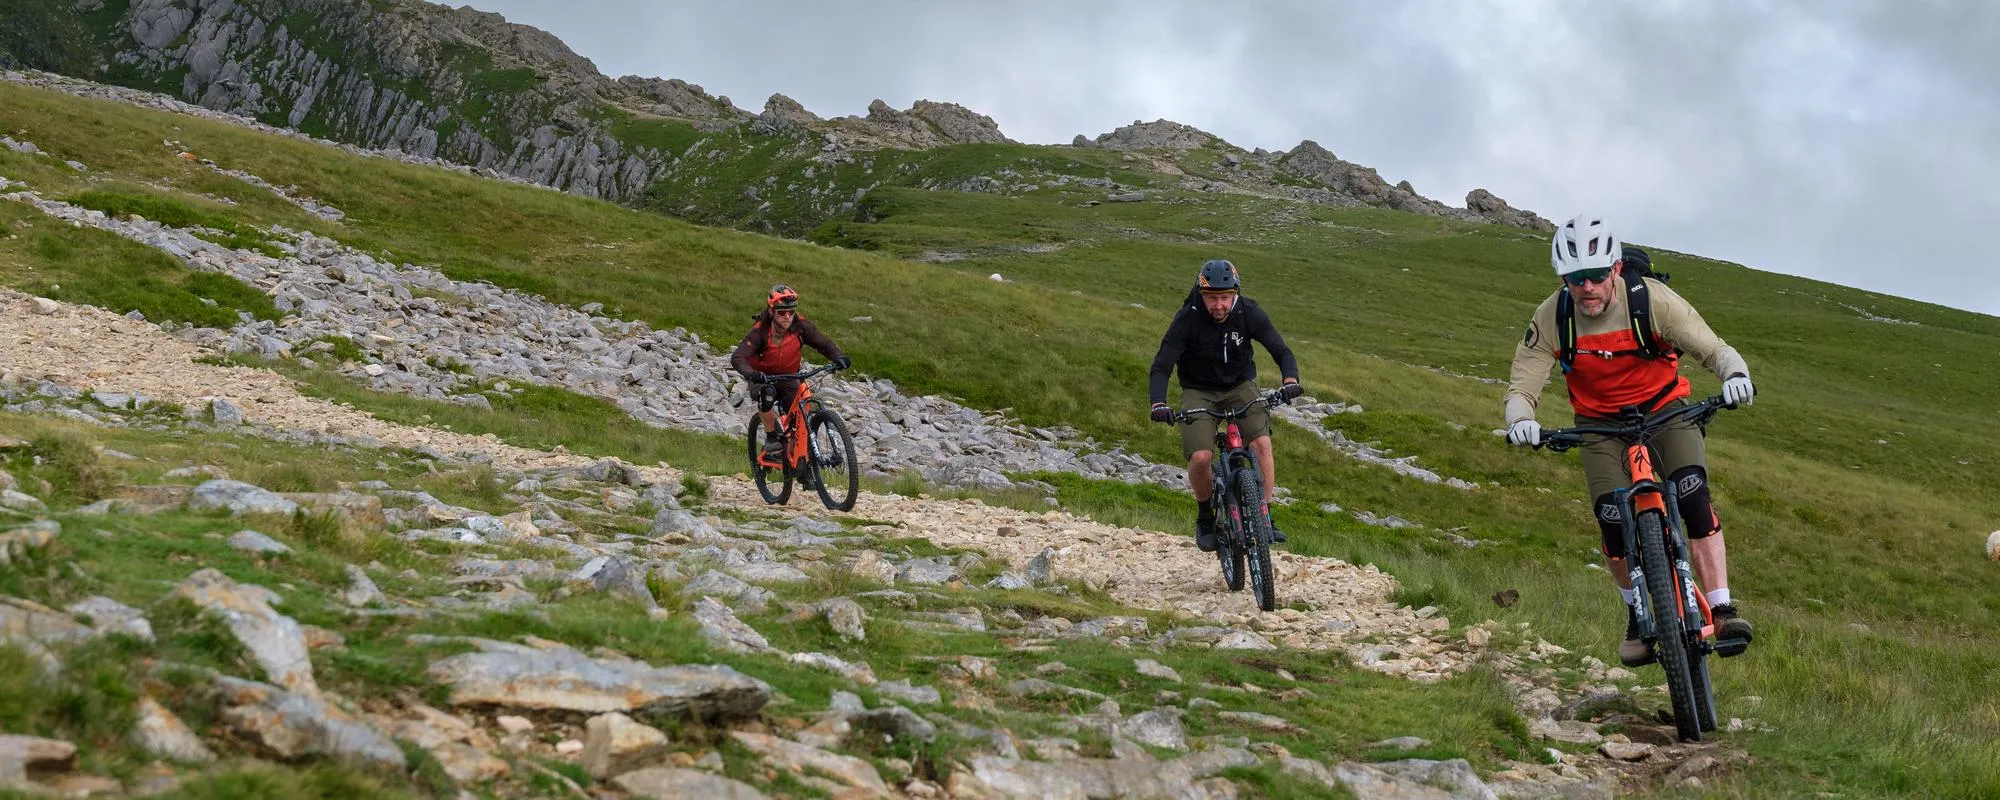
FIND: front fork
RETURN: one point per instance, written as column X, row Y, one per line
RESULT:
column 1694, row 606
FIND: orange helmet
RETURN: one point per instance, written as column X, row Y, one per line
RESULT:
column 782, row 298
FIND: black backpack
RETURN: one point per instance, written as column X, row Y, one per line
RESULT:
column 1636, row 265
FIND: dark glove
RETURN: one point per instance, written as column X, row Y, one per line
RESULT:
column 843, row 362
column 1162, row 413
column 757, row 377
column 1291, row 391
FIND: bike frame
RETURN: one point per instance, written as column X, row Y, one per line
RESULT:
column 794, row 420
column 1649, row 493
column 1231, row 455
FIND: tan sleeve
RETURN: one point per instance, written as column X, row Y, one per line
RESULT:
column 1676, row 320
column 1534, row 357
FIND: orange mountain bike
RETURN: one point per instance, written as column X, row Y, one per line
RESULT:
column 1674, row 620
column 822, row 459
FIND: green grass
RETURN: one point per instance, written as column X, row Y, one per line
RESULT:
column 101, row 269
column 1856, row 491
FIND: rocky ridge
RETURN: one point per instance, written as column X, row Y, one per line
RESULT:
column 467, row 87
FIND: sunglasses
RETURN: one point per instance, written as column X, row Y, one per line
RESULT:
column 1586, row 276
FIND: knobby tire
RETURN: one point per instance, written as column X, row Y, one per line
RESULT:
column 1257, row 538
column 1673, row 644
column 830, row 440
column 760, row 474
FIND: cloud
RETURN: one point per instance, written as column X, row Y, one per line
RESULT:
column 1844, row 140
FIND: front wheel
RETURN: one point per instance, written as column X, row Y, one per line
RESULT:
column 1228, row 547
column 836, row 468
column 1257, row 538
column 774, row 484
column 1674, row 654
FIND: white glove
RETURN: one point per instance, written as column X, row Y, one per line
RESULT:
column 1737, row 391
column 1524, row 433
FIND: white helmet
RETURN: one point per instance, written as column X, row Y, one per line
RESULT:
column 1584, row 242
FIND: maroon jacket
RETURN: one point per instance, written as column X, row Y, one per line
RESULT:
column 765, row 350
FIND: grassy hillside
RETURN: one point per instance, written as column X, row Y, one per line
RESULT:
column 1856, row 492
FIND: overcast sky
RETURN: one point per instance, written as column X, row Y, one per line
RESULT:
column 1855, row 142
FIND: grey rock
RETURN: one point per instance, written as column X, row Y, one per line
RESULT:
column 1402, row 743
column 769, row 572
column 929, row 571
column 254, row 543
column 1155, row 669
column 723, row 630
column 562, row 679
column 163, row 735
column 1260, row 720
column 1414, row 778
column 224, row 413
column 715, row 583
column 1008, row 580
column 673, row 783
column 238, row 498
column 617, row 576
column 1243, row 640
column 1160, row 727
column 846, row 701
column 292, row 726
column 275, row 641
column 1036, row 687
column 800, row 759
column 37, row 629
column 361, row 590
column 904, row 691
column 895, row 722
column 845, row 616
column 1108, row 626
column 110, row 616
column 674, row 520
column 963, row 619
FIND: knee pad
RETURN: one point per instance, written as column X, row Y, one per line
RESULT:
column 1697, row 509
column 1611, row 523
column 767, row 396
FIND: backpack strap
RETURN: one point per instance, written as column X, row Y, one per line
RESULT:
column 1639, row 305
column 1565, row 331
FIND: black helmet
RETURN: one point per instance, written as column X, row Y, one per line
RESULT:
column 1218, row 275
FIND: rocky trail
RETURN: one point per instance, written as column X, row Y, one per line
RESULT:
column 88, row 365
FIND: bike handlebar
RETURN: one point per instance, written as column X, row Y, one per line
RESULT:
column 805, row 375
column 1561, row 439
column 1187, row 416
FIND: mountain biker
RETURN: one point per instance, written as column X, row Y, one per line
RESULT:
column 1609, row 371
column 771, row 350
column 1209, row 341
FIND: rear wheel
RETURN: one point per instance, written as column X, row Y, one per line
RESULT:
column 836, row 470
column 1257, row 537
column 1674, row 652
column 773, row 483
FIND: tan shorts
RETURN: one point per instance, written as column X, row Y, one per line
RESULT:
column 1604, row 457
column 1199, row 435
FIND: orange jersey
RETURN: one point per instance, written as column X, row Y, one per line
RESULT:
column 1599, row 386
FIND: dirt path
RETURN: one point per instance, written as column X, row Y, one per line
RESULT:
column 84, row 347
column 1325, row 603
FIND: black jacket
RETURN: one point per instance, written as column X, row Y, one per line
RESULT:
column 1216, row 355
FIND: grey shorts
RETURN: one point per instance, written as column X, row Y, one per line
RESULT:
column 1604, row 458
column 1200, row 434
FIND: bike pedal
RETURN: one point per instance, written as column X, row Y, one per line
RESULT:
column 1727, row 648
